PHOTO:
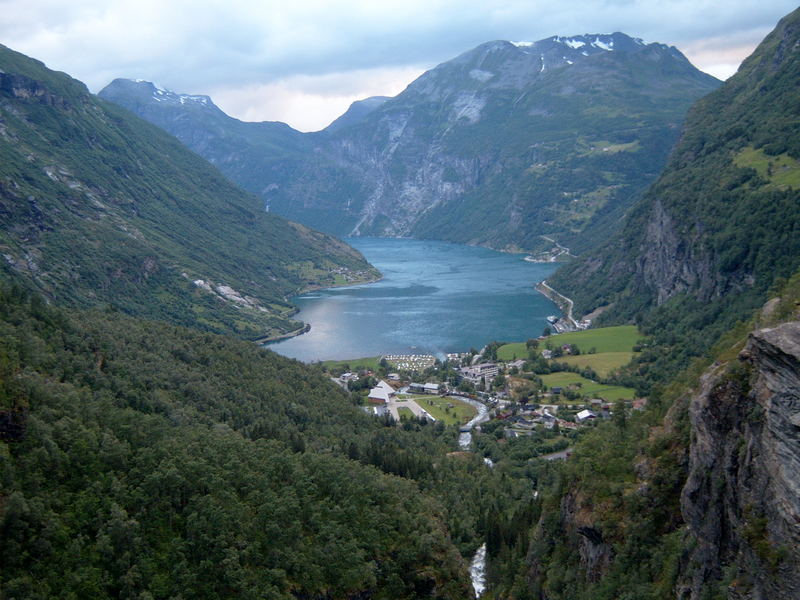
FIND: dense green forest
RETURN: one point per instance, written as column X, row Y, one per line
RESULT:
column 145, row 458
column 139, row 457
column 99, row 206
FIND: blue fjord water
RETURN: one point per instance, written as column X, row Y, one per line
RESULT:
column 435, row 297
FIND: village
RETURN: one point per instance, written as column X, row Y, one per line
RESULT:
column 558, row 383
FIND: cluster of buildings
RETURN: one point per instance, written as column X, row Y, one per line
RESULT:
column 480, row 373
column 524, row 422
column 425, row 388
column 348, row 274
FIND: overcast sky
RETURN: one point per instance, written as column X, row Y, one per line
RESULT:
column 305, row 61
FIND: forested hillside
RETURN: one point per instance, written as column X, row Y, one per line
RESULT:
column 695, row 498
column 142, row 458
column 691, row 499
column 98, row 206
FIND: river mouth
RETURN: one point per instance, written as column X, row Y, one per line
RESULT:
column 434, row 298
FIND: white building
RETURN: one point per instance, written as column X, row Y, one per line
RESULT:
column 381, row 393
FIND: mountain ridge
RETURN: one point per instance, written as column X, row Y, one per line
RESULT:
column 719, row 225
column 474, row 148
column 100, row 206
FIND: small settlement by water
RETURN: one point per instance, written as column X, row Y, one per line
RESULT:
column 508, row 389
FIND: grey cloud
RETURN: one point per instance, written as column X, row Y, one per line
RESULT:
column 200, row 45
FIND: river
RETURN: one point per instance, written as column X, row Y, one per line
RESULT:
column 434, row 298
column 465, row 437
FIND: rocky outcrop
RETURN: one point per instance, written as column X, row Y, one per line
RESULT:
column 27, row 89
column 670, row 262
column 741, row 500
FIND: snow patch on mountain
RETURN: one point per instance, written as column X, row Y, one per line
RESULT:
column 574, row 44
column 598, row 43
column 201, row 99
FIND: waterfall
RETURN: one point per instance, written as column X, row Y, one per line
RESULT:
column 477, row 571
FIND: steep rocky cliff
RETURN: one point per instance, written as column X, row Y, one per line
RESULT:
column 741, row 501
column 499, row 146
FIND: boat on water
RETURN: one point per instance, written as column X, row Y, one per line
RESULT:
column 552, row 319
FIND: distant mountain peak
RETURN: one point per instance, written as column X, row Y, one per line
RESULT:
column 587, row 43
column 143, row 89
column 482, row 148
column 357, row 112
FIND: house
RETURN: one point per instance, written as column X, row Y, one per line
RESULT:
column 585, row 415
column 393, row 376
column 431, row 388
column 519, row 363
column 548, row 354
column 381, row 393
column 478, row 373
column 345, row 377
column 555, row 390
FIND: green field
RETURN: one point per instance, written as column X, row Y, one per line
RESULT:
column 512, row 351
column 621, row 338
column 405, row 413
column 781, row 170
column 588, row 388
column 354, row 364
column 437, row 407
column 602, row 363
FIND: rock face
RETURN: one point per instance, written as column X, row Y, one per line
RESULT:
column 499, row 146
column 741, row 500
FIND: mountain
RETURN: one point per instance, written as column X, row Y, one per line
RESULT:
column 696, row 497
column 357, row 112
column 720, row 225
column 502, row 145
column 100, row 207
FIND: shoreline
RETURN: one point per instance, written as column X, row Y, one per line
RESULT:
column 564, row 304
column 306, row 327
